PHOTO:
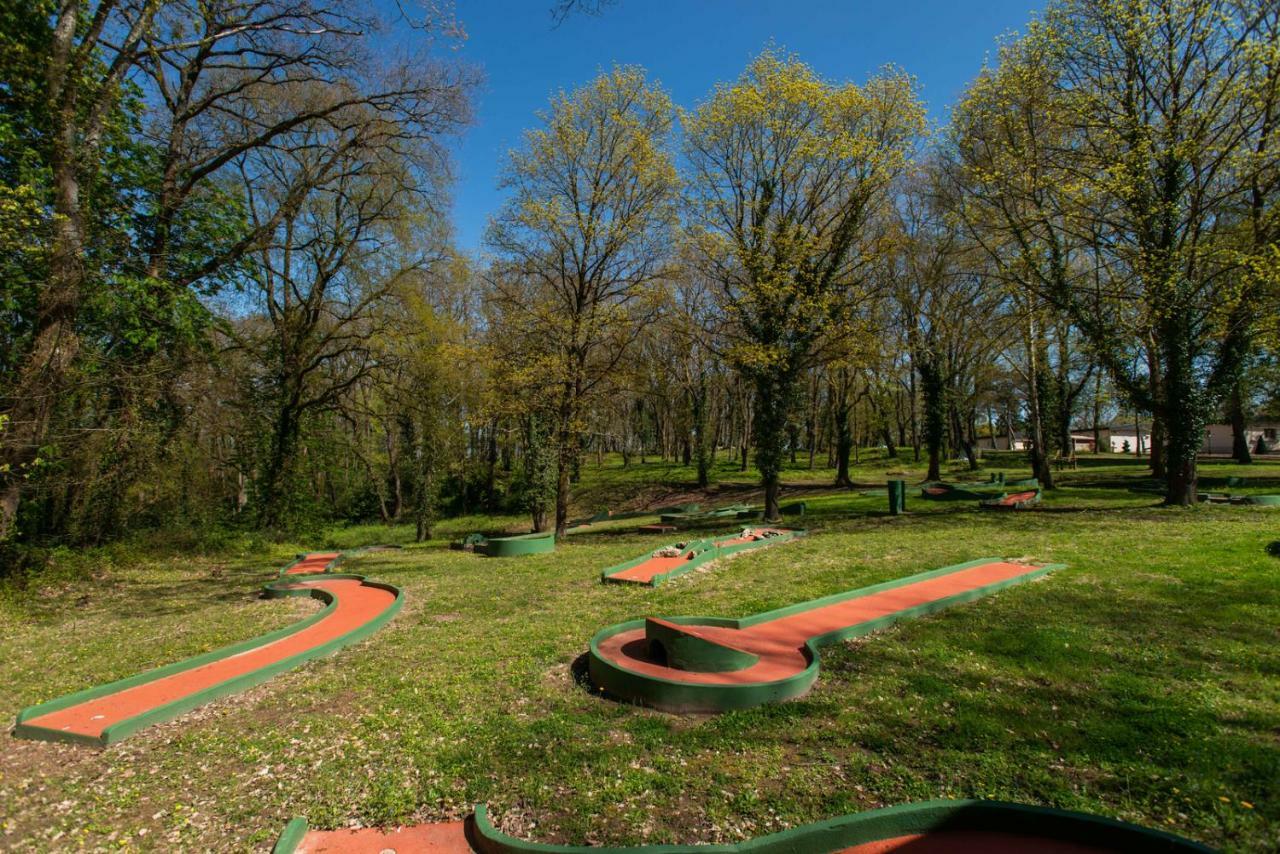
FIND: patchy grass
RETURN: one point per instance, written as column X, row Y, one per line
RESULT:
column 1143, row 682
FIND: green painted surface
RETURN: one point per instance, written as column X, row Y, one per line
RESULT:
column 897, row 493
column 525, row 544
column 689, row 517
column 951, row 492
column 514, row 546
column 685, row 649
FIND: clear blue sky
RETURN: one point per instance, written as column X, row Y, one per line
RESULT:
column 689, row 46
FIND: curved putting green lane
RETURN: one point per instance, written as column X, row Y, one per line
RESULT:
column 671, row 561
column 929, row 827
column 354, row 608
column 772, row 656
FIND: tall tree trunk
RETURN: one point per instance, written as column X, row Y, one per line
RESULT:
column 934, row 413
column 840, row 404
column 42, row 375
column 1097, row 412
column 1035, row 403
column 276, row 479
column 915, row 422
column 702, row 456
column 770, row 429
column 1183, row 424
column 1239, row 439
column 491, row 468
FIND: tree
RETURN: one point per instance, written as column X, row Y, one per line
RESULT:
column 322, row 281
column 785, row 172
column 581, row 241
column 218, row 82
column 1156, row 192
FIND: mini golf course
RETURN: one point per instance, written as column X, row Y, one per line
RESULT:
column 514, row 546
column 930, row 827
column 354, row 608
column 713, row 664
column 674, row 560
column 1013, row 501
column 951, row 492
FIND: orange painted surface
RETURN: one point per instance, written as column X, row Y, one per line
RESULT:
column 646, row 571
column 780, row 642
column 441, row 838
column 315, row 562
column 1010, row 500
column 450, row 838
column 971, row 842
column 355, row 604
column 649, row 569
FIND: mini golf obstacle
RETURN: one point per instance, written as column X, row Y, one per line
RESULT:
column 514, row 546
column 938, row 491
column 735, row 511
column 1013, row 501
column 929, row 827
column 712, row 664
column 674, row 560
column 1226, row 498
column 354, row 608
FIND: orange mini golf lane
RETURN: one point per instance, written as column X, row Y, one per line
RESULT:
column 779, row 643
column 355, row 604
column 1010, row 500
column 450, row 838
column 645, row 572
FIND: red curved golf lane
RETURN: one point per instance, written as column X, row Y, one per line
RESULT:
column 450, row 838
column 780, row 642
column 442, row 838
column 312, row 563
column 1010, row 500
column 655, row 566
column 355, row 604
column 967, row 842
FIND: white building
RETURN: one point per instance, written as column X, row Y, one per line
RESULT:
column 1217, row 437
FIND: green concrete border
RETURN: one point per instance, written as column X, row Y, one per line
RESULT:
column 704, row 551
column 994, row 503
column 632, row 686
column 274, row 590
column 1263, row 500
column 291, row 837
column 734, row 510
column 859, row 828
column 956, row 493
column 537, row 543
column 847, row 831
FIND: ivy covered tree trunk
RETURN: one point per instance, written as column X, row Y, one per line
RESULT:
column 841, row 411
column 277, row 473
column 701, row 433
column 539, row 484
column 1185, row 403
column 1239, row 440
column 935, row 416
column 1037, row 404
column 773, row 406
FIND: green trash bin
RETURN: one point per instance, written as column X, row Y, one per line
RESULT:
column 897, row 497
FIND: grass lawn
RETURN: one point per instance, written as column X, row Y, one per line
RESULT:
column 1142, row 682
